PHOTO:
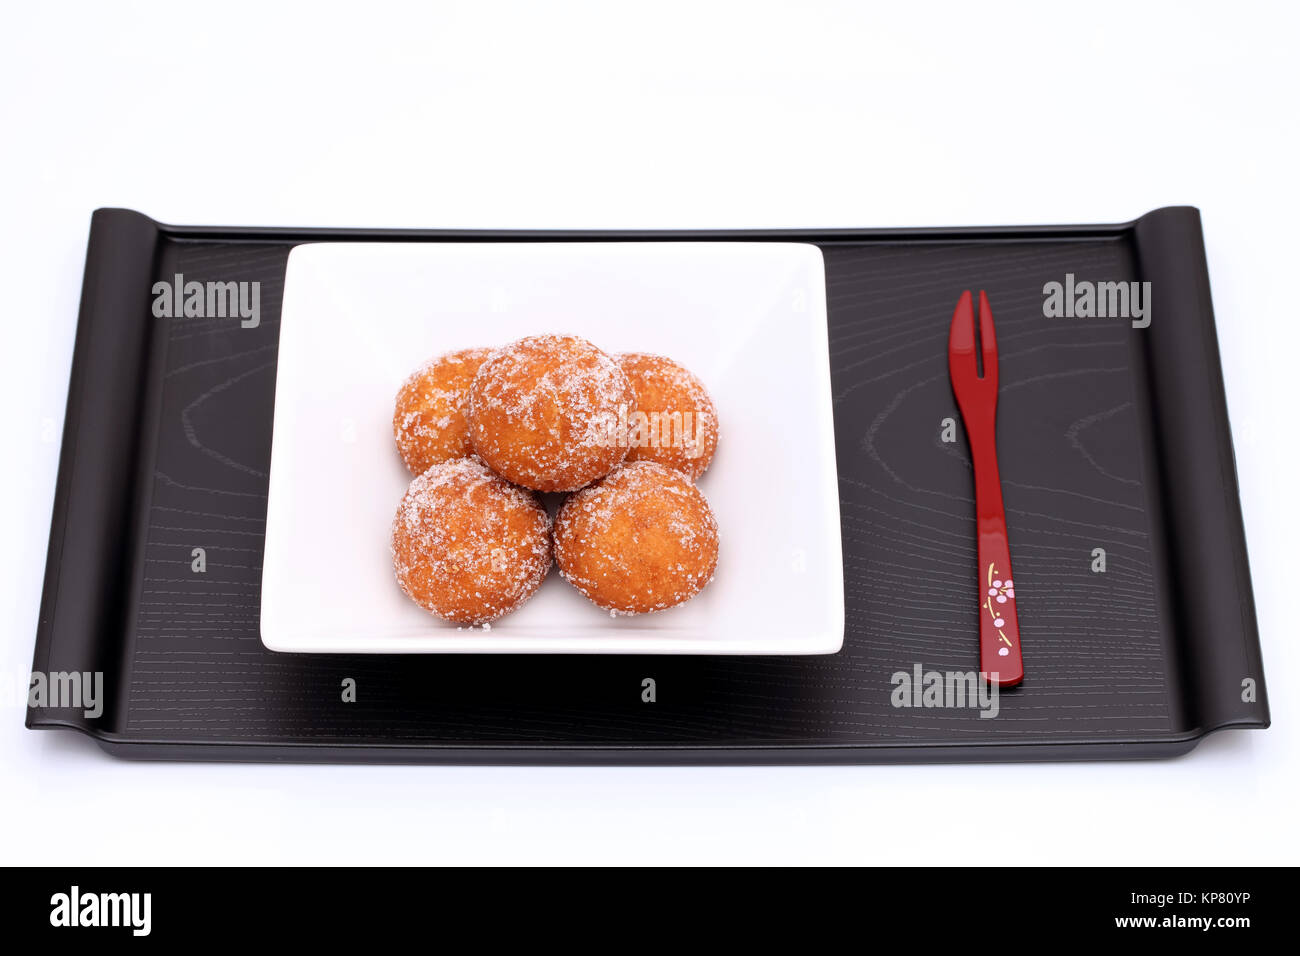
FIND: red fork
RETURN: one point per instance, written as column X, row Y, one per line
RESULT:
column 977, row 397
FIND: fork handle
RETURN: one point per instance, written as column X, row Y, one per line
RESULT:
column 999, row 624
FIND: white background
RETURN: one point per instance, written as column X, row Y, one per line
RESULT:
column 664, row 115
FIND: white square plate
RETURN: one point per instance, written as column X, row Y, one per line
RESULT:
column 749, row 318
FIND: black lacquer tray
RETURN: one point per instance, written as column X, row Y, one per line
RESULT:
column 1110, row 437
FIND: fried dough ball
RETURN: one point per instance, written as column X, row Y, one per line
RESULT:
column 544, row 412
column 429, row 418
column 641, row 540
column 675, row 422
column 468, row 545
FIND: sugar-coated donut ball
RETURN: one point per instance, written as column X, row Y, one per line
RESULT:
column 643, row 539
column 545, row 411
column 468, row 545
column 429, row 422
column 675, row 422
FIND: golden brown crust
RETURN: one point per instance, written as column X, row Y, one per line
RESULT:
column 641, row 540
column 467, row 545
column 677, row 422
column 429, row 417
column 544, row 412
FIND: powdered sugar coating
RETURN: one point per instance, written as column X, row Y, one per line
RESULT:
column 467, row 545
column 679, row 417
column 429, row 416
column 643, row 539
column 544, row 412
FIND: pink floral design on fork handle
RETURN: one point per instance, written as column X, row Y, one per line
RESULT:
column 999, row 604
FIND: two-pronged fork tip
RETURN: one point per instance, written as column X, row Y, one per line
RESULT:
column 963, row 317
column 961, row 336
